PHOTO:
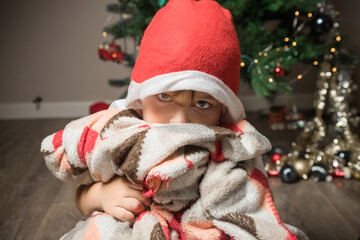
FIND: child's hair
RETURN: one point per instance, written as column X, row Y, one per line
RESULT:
column 182, row 97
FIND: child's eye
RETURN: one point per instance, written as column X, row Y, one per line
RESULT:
column 202, row 104
column 164, row 97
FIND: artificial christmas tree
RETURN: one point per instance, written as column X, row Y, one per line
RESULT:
column 274, row 35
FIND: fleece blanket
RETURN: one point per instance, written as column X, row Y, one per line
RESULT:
column 202, row 179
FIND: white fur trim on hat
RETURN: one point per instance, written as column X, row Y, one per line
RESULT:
column 184, row 80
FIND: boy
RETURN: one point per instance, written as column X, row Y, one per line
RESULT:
column 187, row 72
column 189, row 45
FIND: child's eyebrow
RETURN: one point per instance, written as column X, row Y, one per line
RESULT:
column 203, row 96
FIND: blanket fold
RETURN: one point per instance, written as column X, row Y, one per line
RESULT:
column 203, row 179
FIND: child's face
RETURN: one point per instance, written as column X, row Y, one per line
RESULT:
column 203, row 109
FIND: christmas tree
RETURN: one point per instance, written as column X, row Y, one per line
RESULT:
column 274, row 35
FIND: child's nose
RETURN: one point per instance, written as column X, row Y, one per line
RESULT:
column 179, row 116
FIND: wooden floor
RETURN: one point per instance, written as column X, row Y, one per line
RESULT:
column 35, row 205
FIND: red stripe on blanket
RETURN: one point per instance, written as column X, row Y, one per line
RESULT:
column 258, row 176
column 224, row 236
column 218, row 155
column 141, row 215
column 57, row 140
column 87, row 142
column 175, row 224
column 98, row 214
column 189, row 163
column 233, row 127
column 144, row 126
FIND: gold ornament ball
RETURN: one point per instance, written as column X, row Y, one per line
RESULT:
column 302, row 167
column 355, row 170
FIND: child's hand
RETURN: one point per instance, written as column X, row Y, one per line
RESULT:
column 122, row 199
column 118, row 197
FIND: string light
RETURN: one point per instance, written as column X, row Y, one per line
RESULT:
column 294, row 44
column 271, row 80
column 309, row 15
column 104, row 34
column 260, row 53
column 338, row 38
column 256, row 61
column 297, row 13
column 316, row 63
column 299, row 76
column 242, row 64
column 286, row 39
column 265, row 54
column 332, row 50
column 334, row 69
column 114, row 55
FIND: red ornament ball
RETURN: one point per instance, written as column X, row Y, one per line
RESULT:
column 276, row 157
column 98, row 106
column 279, row 71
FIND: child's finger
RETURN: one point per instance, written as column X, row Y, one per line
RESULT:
column 130, row 184
column 122, row 214
column 136, row 186
column 133, row 205
column 132, row 193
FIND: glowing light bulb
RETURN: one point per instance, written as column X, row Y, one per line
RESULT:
column 265, row 54
column 294, row 44
column 310, row 15
column 104, row 34
column 286, row 39
column 334, row 69
column 114, row 55
column 260, row 53
column 242, row 64
column 338, row 38
column 297, row 13
column 299, row 76
column 332, row 50
column 256, row 61
column 271, row 80
column 316, row 63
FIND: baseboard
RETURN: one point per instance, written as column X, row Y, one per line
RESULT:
column 28, row 110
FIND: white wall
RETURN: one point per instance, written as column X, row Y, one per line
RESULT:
column 49, row 48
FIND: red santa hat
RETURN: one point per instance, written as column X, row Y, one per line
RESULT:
column 189, row 45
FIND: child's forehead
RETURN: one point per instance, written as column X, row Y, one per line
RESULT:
column 202, row 95
column 195, row 94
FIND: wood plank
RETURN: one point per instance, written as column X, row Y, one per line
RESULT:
column 35, row 205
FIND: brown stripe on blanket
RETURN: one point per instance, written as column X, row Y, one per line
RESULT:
column 243, row 221
column 157, row 233
column 77, row 170
column 221, row 133
column 45, row 153
column 124, row 113
column 130, row 113
column 127, row 155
